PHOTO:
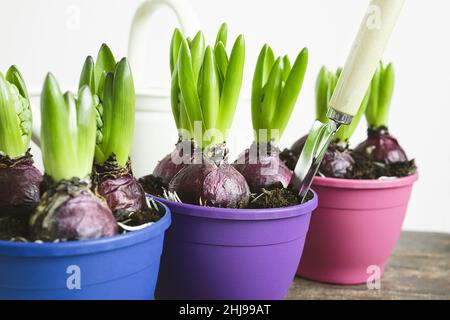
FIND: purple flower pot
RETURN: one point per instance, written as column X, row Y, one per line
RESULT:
column 217, row 253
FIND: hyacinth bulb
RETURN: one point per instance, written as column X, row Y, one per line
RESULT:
column 172, row 163
column 211, row 185
column 19, row 188
column 79, row 217
column 380, row 146
column 123, row 193
column 337, row 162
column 263, row 170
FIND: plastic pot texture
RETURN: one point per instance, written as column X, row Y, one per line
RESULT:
column 354, row 229
column 218, row 253
column 120, row 267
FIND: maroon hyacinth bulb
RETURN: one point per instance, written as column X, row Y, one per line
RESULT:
column 298, row 145
column 380, row 146
column 122, row 193
column 337, row 162
column 211, row 185
column 79, row 217
column 116, row 183
column 19, row 188
column 290, row 156
column 172, row 163
column 263, row 169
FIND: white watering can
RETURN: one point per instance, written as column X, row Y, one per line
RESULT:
column 155, row 133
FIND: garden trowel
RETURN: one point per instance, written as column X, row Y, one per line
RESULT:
column 367, row 49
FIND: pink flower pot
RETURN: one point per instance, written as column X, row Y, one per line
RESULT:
column 354, row 229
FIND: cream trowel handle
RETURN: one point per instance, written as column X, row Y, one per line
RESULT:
column 365, row 54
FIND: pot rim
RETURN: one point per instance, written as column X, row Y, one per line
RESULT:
column 82, row 247
column 241, row 214
column 365, row 183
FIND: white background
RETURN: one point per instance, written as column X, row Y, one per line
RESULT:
column 42, row 35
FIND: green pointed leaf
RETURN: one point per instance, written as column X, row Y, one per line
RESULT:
column 268, row 64
column 108, row 114
column 87, row 129
column 197, row 52
column 105, row 62
column 210, row 94
column 175, row 97
column 71, row 105
column 99, row 156
column 222, row 34
column 14, row 76
column 101, row 85
column 332, row 82
column 382, row 87
column 232, row 85
column 58, row 148
column 11, row 142
column 321, row 94
column 87, row 77
column 184, row 121
column 271, row 92
column 386, row 92
column 122, row 120
column 188, row 88
column 289, row 95
column 257, row 85
column 286, row 67
column 221, row 58
column 175, row 43
column 372, row 108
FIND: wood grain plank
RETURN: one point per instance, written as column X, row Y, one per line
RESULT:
column 419, row 268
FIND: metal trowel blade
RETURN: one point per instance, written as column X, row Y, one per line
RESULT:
column 312, row 154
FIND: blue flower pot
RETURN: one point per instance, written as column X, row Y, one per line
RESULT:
column 121, row 267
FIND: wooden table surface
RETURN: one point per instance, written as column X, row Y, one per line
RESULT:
column 419, row 268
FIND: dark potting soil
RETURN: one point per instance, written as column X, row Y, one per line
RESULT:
column 135, row 219
column 365, row 168
column 289, row 158
column 13, row 228
column 152, row 185
column 276, row 198
column 272, row 198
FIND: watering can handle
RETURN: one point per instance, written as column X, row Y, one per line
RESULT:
column 35, row 137
column 35, row 129
column 137, row 54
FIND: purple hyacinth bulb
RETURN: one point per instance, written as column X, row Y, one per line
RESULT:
column 122, row 193
column 172, row 163
column 212, row 185
column 337, row 161
column 380, row 146
column 19, row 189
column 79, row 217
column 263, row 169
column 298, row 145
